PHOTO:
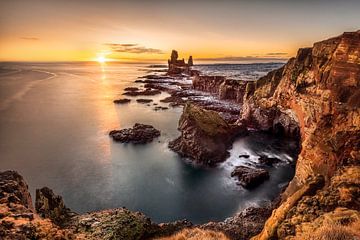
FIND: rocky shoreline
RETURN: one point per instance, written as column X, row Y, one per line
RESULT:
column 314, row 98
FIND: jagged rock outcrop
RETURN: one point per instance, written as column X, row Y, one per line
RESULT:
column 177, row 66
column 205, row 135
column 18, row 220
column 138, row 134
column 49, row 205
column 314, row 96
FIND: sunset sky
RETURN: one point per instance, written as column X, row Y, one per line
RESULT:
column 82, row 30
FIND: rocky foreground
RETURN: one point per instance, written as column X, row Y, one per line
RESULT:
column 315, row 98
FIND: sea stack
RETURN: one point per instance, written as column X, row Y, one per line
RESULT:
column 177, row 66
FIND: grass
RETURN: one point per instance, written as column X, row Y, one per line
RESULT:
column 196, row 234
column 334, row 231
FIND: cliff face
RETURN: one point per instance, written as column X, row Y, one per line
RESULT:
column 225, row 89
column 314, row 96
column 52, row 220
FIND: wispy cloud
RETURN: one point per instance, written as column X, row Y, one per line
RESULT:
column 277, row 54
column 132, row 48
column 30, row 38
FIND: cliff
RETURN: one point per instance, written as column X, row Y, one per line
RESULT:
column 51, row 219
column 315, row 97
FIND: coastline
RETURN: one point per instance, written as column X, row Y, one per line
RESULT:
column 326, row 183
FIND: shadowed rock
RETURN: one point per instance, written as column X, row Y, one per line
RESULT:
column 146, row 92
column 139, row 134
column 143, row 100
column 49, row 205
column 250, row 177
column 205, row 135
column 122, row 101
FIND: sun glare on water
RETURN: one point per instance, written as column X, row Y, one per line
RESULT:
column 101, row 59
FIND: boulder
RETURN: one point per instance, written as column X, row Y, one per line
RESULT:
column 250, row 177
column 138, row 134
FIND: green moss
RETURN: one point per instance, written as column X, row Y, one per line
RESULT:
column 208, row 121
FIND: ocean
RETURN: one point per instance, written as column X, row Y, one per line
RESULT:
column 54, row 125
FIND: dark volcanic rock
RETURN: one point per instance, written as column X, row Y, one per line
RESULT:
column 177, row 66
column 18, row 220
column 49, row 205
column 122, row 101
column 131, row 89
column 268, row 160
column 139, row 134
column 243, row 225
column 14, row 189
column 250, row 177
column 205, row 136
column 146, row 92
column 143, row 100
column 157, row 108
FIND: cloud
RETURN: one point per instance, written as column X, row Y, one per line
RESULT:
column 276, row 54
column 132, row 48
column 30, row 38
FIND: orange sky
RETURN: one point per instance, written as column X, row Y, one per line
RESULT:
column 82, row 30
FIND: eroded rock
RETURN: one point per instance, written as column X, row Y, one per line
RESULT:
column 205, row 135
column 250, row 177
column 49, row 205
column 138, row 134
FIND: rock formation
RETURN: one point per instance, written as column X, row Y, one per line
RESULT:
column 250, row 177
column 49, row 205
column 18, row 220
column 139, row 134
column 315, row 96
column 205, row 135
column 122, row 101
column 177, row 66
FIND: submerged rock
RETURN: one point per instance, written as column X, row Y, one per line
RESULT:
column 250, row 177
column 122, row 101
column 143, row 100
column 157, row 108
column 146, row 92
column 131, row 89
column 139, row 134
column 269, row 161
column 205, row 135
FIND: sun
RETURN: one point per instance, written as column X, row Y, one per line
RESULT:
column 101, row 59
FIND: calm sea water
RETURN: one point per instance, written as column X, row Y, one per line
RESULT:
column 54, row 124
